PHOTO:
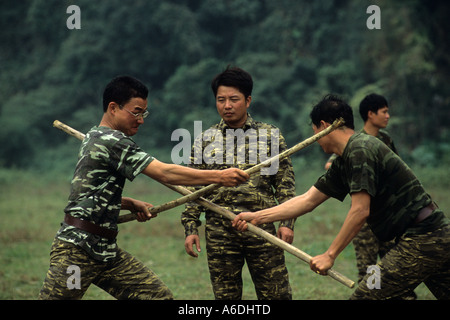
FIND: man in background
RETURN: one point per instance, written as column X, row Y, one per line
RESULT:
column 384, row 192
column 227, row 249
column 374, row 111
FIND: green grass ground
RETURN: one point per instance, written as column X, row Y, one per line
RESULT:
column 31, row 207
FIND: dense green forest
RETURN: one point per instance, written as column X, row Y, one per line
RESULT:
column 296, row 50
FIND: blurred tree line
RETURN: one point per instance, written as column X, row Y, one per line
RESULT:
column 296, row 50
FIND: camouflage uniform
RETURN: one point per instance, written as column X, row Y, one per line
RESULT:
column 367, row 247
column 227, row 248
column 422, row 250
column 107, row 158
column 124, row 277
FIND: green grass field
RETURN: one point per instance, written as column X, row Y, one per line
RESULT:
column 31, row 208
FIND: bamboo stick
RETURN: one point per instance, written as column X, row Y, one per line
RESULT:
column 228, row 214
column 205, row 190
column 264, row 234
column 75, row 133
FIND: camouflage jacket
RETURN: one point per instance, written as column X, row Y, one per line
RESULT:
column 106, row 159
column 397, row 195
column 221, row 147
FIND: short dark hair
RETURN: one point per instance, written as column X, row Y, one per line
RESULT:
column 123, row 88
column 372, row 102
column 233, row 77
column 330, row 109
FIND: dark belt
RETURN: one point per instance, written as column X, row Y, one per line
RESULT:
column 425, row 213
column 90, row 227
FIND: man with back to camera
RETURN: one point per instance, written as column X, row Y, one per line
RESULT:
column 374, row 111
column 227, row 249
column 385, row 193
column 87, row 237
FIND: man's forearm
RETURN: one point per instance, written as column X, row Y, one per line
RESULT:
column 356, row 217
column 288, row 210
column 127, row 204
column 349, row 230
column 180, row 175
column 294, row 207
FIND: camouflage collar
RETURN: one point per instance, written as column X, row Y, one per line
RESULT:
column 249, row 123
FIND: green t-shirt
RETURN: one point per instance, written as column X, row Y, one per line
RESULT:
column 106, row 159
column 397, row 195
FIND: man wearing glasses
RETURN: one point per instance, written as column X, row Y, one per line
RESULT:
column 85, row 250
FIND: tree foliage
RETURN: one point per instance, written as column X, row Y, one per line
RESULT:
column 296, row 50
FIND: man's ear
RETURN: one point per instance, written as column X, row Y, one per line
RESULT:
column 112, row 107
column 324, row 125
column 248, row 101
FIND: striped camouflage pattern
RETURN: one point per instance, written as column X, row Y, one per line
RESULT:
column 259, row 192
column 396, row 194
column 124, row 278
column 416, row 258
column 227, row 248
column 368, row 248
column 106, row 159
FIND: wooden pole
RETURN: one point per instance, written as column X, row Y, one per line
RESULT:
column 195, row 195
column 228, row 214
column 264, row 234
column 205, row 190
column 75, row 133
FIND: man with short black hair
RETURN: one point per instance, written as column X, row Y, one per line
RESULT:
column 227, row 249
column 86, row 240
column 374, row 111
column 385, row 193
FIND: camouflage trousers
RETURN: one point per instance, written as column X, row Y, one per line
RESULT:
column 123, row 278
column 414, row 259
column 368, row 248
column 228, row 250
